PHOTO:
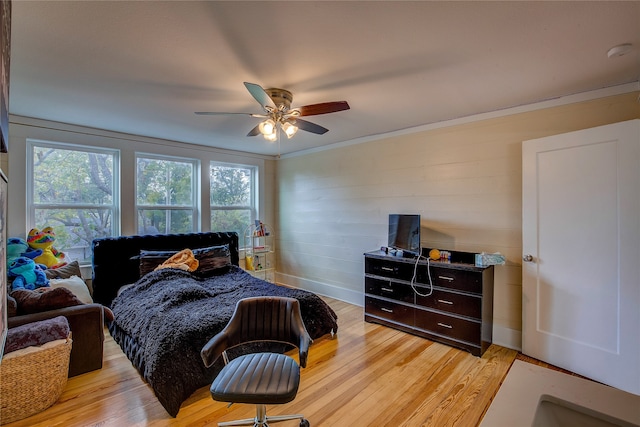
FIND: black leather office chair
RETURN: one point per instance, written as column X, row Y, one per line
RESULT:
column 260, row 378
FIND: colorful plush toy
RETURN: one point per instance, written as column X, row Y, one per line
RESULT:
column 17, row 247
column 44, row 240
column 28, row 274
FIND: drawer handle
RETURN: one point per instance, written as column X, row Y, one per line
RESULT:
column 444, row 325
column 444, row 301
column 388, row 310
column 386, row 268
column 451, row 279
column 386, row 289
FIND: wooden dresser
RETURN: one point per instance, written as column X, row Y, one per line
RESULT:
column 457, row 310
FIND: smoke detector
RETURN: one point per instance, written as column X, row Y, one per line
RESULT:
column 620, row 50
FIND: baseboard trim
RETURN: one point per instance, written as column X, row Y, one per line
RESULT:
column 507, row 337
column 346, row 295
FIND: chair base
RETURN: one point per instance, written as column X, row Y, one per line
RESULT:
column 262, row 420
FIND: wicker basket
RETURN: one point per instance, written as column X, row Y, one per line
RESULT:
column 31, row 382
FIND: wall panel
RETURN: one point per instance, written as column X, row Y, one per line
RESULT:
column 464, row 180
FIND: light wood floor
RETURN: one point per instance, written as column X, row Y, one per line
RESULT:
column 369, row 375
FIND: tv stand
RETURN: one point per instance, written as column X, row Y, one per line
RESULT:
column 458, row 312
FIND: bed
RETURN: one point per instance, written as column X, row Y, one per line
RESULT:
column 163, row 318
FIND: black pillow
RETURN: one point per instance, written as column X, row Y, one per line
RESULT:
column 212, row 259
column 149, row 260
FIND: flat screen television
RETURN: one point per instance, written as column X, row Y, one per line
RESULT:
column 404, row 233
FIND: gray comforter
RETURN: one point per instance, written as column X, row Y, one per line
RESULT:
column 164, row 319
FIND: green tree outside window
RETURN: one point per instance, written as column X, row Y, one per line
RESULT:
column 74, row 191
column 232, row 197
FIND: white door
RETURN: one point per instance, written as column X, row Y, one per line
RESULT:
column 581, row 252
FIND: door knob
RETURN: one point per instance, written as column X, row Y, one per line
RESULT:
column 527, row 258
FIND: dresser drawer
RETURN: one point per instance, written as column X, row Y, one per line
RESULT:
column 458, row 312
column 389, row 310
column 449, row 326
column 388, row 268
column 464, row 305
column 461, row 280
column 389, row 289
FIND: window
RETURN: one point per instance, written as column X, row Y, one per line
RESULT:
column 233, row 200
column 74, row 190
column 166, row 194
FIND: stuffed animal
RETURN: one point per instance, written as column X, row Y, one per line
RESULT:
column 28, row 274
column 17, row 247
column 44, row 240
column 183, row 260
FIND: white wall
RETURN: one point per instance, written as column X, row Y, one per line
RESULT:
column 464, row 180
column 22, row 128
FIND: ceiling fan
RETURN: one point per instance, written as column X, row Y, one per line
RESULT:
column 276, row 104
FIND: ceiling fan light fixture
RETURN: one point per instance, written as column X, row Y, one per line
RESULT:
column 268, row 127
column 289, row 129
column 271, row 137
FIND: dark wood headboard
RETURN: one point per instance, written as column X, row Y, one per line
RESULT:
column 115, row 264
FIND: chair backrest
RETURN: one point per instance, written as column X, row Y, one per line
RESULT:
column 262, row 319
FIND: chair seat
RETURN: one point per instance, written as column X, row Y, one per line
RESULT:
column 276, row 381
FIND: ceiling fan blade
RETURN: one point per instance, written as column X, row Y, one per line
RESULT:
column 255, row 131
column 310, row 127
column 323, row 108
column 260, row 95
column 216, row 113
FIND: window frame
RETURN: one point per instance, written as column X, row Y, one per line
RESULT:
column 253, row 206
column 195, row 189
column 32, row 206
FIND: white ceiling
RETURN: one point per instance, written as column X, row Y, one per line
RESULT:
column 145, row 67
